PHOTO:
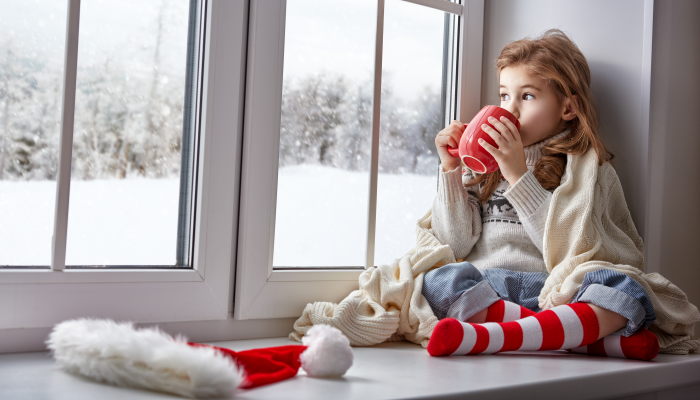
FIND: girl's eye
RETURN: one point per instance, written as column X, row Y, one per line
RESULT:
column 505, row 97
column 528, row 96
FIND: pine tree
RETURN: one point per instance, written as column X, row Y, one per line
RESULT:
column 353, row 136
column 312, row 108
column 29, row 93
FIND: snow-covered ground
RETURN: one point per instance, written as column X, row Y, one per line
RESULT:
column 110, row 222
column 322, row 215
column 321, row 219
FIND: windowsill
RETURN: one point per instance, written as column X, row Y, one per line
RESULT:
column 403, row 370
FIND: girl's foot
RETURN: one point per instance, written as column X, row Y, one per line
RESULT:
column 643, row 345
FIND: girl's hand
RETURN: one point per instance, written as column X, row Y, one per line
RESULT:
column 449, row 136
column 509, row 154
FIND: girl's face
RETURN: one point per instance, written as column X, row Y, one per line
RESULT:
column 537, row 106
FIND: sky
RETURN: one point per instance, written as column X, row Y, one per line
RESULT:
column 38, row 26
column 333, row 36
column 338, row 37
column 121, row 29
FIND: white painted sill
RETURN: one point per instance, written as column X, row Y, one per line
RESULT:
column 404, row 370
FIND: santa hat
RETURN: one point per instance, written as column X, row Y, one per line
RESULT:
column 147, row 358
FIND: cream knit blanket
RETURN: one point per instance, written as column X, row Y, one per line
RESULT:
column 389, row 304
column 588, row 227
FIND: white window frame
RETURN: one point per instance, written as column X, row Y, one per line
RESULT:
column 41, row 298
column 32, row 301
column 262, row 292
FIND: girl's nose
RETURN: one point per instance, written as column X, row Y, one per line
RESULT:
column 514, row 111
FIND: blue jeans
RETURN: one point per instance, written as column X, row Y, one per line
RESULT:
column 460, row 290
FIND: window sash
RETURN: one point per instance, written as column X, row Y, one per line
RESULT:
column 188, row 171
column 261, row 291
column 190, row 142
column 42, row 298
column 70, row 72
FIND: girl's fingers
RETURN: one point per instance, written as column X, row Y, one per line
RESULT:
column 487, row 146
column 447, row 140
column 513, row 129
column 495, row 135
column 501, row 128
column 456, row 134
column 453, row 143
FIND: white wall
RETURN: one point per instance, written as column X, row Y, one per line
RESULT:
column 674, row 198
column 611, row 36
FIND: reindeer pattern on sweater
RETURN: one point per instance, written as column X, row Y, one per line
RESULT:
column 497, row 208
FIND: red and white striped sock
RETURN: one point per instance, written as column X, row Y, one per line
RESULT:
column 505, row 311
column 643, row 345
column 563, row 327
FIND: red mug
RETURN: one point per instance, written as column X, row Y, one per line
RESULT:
column 475, row 157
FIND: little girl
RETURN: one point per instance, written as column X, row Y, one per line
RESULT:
column 497, row 221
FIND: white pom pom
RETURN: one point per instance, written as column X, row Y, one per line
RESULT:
column 328, row 353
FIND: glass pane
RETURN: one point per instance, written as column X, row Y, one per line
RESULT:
column 32, row 45
column 323, row 185
column 128, row 132
column 411, row 117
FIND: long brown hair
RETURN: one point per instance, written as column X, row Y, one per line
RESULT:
column 557, row 60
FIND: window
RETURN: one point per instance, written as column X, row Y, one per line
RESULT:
column 128, row 134
column 202, row 288
column 224, row 232
column 123, row 115
column 326, row 129
column 337, row 160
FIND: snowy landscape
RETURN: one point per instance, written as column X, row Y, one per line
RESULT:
column 129, row 131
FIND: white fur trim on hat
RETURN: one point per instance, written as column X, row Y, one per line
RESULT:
column 147, row 358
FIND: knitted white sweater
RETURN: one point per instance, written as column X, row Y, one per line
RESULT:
column 506, row 231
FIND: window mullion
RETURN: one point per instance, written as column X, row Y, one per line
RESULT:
column 374, row 163
column 470, row 48
column 58, row 245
